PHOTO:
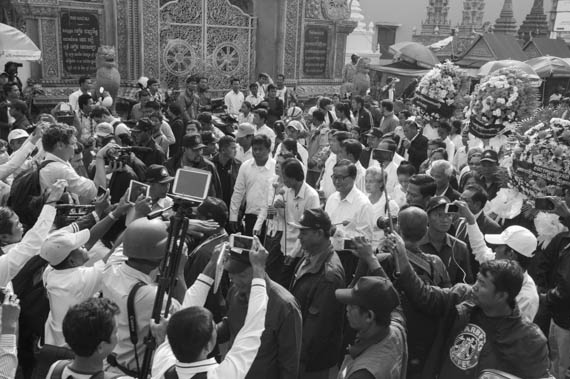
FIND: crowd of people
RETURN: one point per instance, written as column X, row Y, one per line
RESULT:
column 375, row 253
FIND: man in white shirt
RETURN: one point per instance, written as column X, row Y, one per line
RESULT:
column 349, row 208
column 391, row 168
column 327, row 186
column 85, row 87
column 260, row 122
column 254, row 97
column 144, row 246
column 234, row 99
column 350, row 212
column 514, row 243
column 59, row 143
column 298, row 197
column 443, row 131
column 351, row 149
column 252, row 184
column 191, row 332
column 244, row 137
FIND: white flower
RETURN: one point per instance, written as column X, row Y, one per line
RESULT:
column 547, row 227
column 507, row 204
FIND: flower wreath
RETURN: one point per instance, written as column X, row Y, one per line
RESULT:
column 505, row 96
column 438, row 92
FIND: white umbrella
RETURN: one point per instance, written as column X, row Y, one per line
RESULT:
column 17, row 46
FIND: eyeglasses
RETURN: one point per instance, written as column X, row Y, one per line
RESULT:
column 339, row 177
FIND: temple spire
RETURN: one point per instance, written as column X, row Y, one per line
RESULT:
column 535, row 23
column 506, row 23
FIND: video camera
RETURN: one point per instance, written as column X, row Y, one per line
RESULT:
column 122, row 154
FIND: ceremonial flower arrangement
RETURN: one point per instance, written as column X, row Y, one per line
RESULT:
column 547, row 226
column 505, row 96
column 438, row 90
column 507, row 204
column 541, row 162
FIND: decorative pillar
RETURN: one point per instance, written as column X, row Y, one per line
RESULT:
column 535, row 23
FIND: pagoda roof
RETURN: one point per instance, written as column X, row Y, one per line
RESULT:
column 538, row 47
column 491, row 47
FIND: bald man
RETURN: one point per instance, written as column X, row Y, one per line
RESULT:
column 430, row 268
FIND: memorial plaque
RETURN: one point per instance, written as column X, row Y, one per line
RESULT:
column 315, row 51
column 79, row 42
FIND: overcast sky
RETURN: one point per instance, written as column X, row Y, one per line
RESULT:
column 410, row 13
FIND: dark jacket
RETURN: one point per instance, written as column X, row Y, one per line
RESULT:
column 179, row 130
column 215, row 190
column 513, row 345
column 275, row 110
column 313, row 287
column 280, row 350
column 417, row 151
column 452, row 194
column 365, row 157
column 228, row 175
column 364, row 121
column 553, row 279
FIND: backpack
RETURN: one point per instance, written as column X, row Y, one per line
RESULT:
column 57, row 372
column 26, row 198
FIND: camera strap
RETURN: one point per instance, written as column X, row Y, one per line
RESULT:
column 132, row 318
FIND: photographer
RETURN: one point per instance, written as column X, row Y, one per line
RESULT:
column 373, row 310
column 142, row 134
column 18, row 249
column 515, row 243
column 479, row 326
column 59, row 143
column 192, row 334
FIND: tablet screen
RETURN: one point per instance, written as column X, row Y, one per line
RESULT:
column 192, row 183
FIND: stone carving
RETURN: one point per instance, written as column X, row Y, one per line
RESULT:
column 336, row 9
column 292, row 27
column 313, row 9
column 108, row 76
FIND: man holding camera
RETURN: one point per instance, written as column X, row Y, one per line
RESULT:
column 192, row 333
column 318, row 276
column 480, row 326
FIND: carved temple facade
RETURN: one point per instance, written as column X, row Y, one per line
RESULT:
column 171, row 39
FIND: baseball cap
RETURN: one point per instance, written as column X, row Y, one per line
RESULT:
column 143, row 125
column 375, row 132
column 313, row 219
column 104, row 129
column 517, row 238
column 245, row 129
column 490, row 156
column 237, row 262
column 158, row 174
column 215, row 209
column 371, row 292
column 17, row 134
column 59, row 244
column 295, row 125
column 436, row 202
column 208, row 137
column 193, row 141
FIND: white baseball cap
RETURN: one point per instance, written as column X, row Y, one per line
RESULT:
column 245, row 129
column 60, row 243
column 517, row 238
column 104, row 129
column 17, row 134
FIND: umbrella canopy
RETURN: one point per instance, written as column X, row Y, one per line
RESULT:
column 414, row 52
column 493, row 66
column 15, row 45
column 550, row 67
column 401, row 69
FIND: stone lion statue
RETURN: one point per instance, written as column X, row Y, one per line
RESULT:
column 108, row 77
